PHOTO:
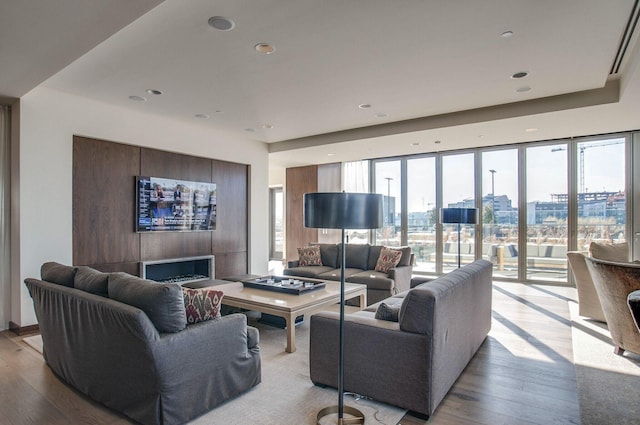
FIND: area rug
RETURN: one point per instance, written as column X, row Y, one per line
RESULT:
column 286, row 395
column 608, row 384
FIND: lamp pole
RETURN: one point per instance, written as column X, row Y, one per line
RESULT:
column 493, row 200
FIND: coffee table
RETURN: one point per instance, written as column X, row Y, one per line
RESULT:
column 289, row 306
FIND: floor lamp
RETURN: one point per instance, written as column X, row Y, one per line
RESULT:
column 459, row 216
column 341, row 210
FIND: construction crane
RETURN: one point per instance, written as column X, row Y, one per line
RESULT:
column 582, row 148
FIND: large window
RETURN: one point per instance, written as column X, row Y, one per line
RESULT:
column 499, row 211
column 601, row 192
column 547, row 212
column 458, row 191
column 536, row 201
column 387, row 183
column 421, row 212
column 276, row 199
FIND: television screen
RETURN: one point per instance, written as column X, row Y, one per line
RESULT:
column 170, row 204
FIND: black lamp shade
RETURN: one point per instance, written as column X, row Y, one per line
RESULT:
column 459, row 215
column 341, row 210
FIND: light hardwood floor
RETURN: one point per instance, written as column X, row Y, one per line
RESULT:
column 523, row 373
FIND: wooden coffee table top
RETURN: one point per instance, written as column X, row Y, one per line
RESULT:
column 282, row 301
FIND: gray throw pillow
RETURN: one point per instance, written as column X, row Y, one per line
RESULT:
column 163, row 303
column 328, row 253
column 58, row 273
column 91, row 280
column 357, row 256
column 387, row 312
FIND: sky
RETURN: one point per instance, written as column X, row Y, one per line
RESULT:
column 546, row 168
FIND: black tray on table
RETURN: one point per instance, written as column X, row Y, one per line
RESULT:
column 288, row 285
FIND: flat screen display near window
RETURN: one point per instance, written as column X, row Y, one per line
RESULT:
column 174, row 205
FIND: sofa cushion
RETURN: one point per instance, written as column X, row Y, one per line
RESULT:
column 91, row 280
column 373, row 280
column 387, row 312
column 374, row 254
column 335, row 274
column 307, row 271
column 328, row 253
column 357, row 256
column 201, row 304
column 309, row 256
column 163, row 303
column 618, row 252
column 388, row 259
column 58, row 273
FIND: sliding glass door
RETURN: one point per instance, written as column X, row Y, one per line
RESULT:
column 536, row 201
column 422, row 212
column 499, row 213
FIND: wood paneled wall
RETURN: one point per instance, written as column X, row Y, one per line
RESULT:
column 301, row 180
column 104, row 196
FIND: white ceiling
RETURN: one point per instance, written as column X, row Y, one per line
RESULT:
column 417, row 63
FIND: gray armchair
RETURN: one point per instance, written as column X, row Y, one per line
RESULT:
column 588, row 301
column 613, row 283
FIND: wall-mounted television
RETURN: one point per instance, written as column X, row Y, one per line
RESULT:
column 164, row 204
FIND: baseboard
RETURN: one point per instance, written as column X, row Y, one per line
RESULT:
column 23, row 330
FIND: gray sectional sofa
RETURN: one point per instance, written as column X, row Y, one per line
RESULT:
column 360, row 267
column 124, row 342
column 422, row 340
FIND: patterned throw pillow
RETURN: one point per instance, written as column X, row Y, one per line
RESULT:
column 201, row 304
column 388, row 259
column 387, row 312
column 309, row 256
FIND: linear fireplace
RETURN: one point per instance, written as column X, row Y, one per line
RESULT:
column 179, row 270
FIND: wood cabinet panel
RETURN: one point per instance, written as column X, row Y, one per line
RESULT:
column 161, row 245
column 104, row 202
column 104, row 207
column 231, row 264
column 232, row 198
column 171, row 165
column 299, row 180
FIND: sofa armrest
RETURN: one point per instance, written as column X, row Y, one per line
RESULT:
column 402, row 277
column 292, row 264
column 372, row 356
column 225, row 336
column 253, row 337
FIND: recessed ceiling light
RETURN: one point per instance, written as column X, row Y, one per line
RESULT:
column 437, row 142
column 265, row 48
column 221, row 23
column 154, row 92
column 507, row 34
column 531, row 129
column 249, row 130
column 267, row 126
column 415, row 144
column 381, row 115
column 331, row 154
column 138, row 98
column 364, row 106
column 201, row 116
column 523, row 89
column 519, row 75
column 480, row 136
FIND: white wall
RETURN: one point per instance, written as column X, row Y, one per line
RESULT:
column 48, row 121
